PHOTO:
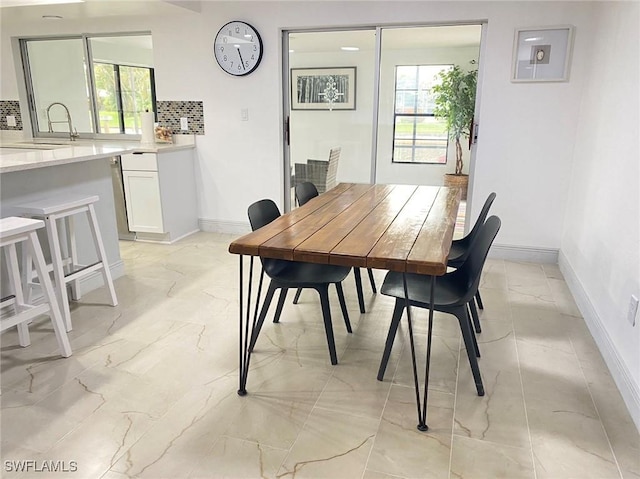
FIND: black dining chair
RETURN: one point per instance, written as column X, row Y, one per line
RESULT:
column 460, row 250
column 285, row 274
column 452, row 293
column 304, row 192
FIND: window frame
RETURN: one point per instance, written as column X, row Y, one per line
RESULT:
column 90, row 84
column 414, row 115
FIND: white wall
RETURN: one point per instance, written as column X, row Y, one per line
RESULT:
column 104, row 50
column 600, row 249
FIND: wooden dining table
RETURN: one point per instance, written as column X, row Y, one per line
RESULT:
column 404, row 228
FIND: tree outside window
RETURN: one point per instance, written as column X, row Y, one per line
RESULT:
column 123, row 93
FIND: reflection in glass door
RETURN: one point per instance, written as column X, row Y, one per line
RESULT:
column 412, row 144
column 331, row 105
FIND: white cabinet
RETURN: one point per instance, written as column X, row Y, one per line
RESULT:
column 160, row 194
column 143, row 203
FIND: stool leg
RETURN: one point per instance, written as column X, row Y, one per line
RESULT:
column 106, row 272
column 50, row 296
column 72, row 253
column 27, row 271
column 58, row 271
column 14, row 275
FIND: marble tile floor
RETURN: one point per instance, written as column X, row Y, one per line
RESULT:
column 150, row 390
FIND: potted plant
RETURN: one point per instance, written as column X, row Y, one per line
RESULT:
column 455, row 100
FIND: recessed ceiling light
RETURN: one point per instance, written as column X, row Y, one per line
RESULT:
column 349, row 49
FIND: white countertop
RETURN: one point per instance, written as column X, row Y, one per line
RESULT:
column 19, row 156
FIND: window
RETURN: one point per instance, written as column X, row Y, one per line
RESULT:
column 122, row 94
column 97, row 85
column 418, row 137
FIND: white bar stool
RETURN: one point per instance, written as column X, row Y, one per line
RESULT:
column 64, row 256
column 14, row 230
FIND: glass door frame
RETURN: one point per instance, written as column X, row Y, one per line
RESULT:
column 286, row 97
column 379, row 28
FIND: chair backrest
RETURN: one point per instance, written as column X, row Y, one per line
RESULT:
column 332, row 170
column 305, row 191
column 470, row 271
column 323, row 173
column 262, row 213
column 481, row 217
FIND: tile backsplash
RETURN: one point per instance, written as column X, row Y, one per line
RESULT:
column 170, row 112
column 10, row 108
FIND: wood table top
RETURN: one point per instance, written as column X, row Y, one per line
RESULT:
column 402, row 228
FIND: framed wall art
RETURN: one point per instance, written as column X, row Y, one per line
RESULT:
column 542, row 54
column 323, row 88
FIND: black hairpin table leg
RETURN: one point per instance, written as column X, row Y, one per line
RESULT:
column 422, row 408
column 246, row 332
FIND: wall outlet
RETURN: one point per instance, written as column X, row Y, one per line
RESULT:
column 184, row 123
column 11, row 120
column 633, row 310
column 244, row 114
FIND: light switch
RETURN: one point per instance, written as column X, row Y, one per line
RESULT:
column 11, row 120
column 244, row 114
column 184, row 123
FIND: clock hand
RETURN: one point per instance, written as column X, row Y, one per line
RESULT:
column 241, row 60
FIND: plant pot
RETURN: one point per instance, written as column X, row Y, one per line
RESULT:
column 458, row 181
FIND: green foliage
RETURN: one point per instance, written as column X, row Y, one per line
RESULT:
column 455, row 99
column 133, row 92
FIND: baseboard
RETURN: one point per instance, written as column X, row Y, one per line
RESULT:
column 524, row 254
column 621, row 375
column 95, row 280
column 227, row 227
column 163, row 238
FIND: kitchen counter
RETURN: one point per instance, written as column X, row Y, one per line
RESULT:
column 39, row 169
column 20, row 156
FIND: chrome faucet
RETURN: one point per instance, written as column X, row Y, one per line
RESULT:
column 73, row 133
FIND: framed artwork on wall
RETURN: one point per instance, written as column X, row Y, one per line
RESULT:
column 323, row 88
column 542, row 54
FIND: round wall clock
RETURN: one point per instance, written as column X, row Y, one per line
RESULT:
column 238, row 48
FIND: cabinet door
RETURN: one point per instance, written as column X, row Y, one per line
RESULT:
column 142, row 196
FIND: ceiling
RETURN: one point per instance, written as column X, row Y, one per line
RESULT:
column 398, row 37
column 32, row 10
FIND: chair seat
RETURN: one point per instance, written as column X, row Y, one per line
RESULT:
column 300, row 274
column 58, row 204
column 450, row 290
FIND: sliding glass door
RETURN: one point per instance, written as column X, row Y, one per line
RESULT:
column 413, row 145
column 330, row 105
column 370, row 92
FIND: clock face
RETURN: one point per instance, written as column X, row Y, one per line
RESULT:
column 238, row 48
